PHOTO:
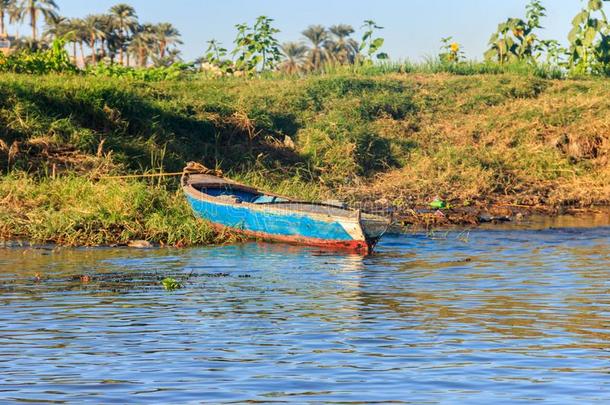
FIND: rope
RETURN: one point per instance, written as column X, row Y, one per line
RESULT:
column 136, row 176
column 191, row 168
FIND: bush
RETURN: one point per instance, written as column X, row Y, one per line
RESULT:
column 152, row 74
column 54, row 60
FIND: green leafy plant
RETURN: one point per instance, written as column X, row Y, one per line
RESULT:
column 451, row 51
column 590, row 41
column 371, row 45
column 54, row 60
column 151, row 74
column 215, row 52
column 171, row 284
column 515, row 39
column 256, row 47
column 553, row 51
column 214, row 62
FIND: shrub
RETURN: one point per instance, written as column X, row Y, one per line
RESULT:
column 54, row 60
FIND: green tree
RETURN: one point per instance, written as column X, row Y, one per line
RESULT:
column 369, row 43
column 590, row 40
column 79, row 36
column 60, row 27
column 16, row 14
column 5, row 7
column 47, row 8
column 165, row 35
column 256, row 47
column 265, row 42
column 295, row 55
column 318, row 54
column 93, row 27
column 108, row 41
column 143, row 44
column 124, row 22
column 343, row 48
column 516, row 38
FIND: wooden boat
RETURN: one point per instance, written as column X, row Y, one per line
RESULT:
column 270, row 217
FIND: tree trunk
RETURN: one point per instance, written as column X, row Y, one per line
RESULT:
column 127, row 56
column 93, row 55
column 2, row 27
column 121, row 45
column 74, row 51
column 33, row 12
column 82, row 54
column 142, row 60
column 162, row 46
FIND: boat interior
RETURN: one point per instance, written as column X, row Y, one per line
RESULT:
column 231, row 192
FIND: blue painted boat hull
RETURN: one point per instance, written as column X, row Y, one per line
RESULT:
column 282, row 221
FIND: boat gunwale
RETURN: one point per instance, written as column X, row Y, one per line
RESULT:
column 272, row 207
column 354, row 217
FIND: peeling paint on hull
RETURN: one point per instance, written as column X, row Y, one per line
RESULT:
column 356, row 246
column 325, row 227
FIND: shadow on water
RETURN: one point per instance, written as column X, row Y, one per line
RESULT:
column 512, row 315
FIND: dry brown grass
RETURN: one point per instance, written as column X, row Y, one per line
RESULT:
column 551, row 148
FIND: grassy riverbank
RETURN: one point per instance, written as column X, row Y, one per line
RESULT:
column 475, row 141
column 74, row 211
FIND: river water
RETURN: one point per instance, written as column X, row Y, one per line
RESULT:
column 485, row 316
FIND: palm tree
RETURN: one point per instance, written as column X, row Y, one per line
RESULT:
column 107, row 27
column 142, row 44
column 317, row 35
column 5, row 8
column 124, row 20
column 79, row 36
column 57, row 27
column 15, row 14
column 166, row 35
column 294, row 54
column 48, row 9
column 93, row 27
column 343, row 48
column 60, row 27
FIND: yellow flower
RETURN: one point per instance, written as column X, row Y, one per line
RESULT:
column 455, row 47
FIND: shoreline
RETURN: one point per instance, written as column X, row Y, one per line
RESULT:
column 454, row 220
column 492, row 214
column 497, row 148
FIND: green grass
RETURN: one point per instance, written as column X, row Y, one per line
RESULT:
column 434, row 66
column 402, row 132
column 73, row 210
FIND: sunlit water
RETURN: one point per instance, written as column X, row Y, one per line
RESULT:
column 488, row 316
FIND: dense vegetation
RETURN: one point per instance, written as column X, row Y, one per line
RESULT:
column 71, row 211
column 467, row 138
column 118, row 38
column 312, row 121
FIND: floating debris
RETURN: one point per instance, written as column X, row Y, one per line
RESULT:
column 171, row 284
column 139, row 244
column 214, row 275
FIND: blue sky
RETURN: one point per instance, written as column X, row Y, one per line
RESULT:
column 413, row 28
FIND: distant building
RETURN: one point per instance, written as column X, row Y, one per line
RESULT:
column 6, row 44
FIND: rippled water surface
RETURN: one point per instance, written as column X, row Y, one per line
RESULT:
column 500, row 315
